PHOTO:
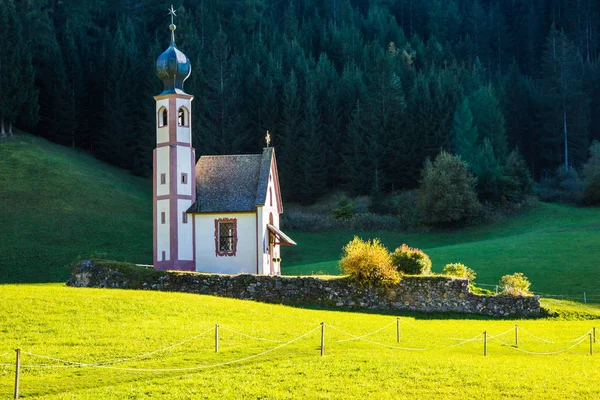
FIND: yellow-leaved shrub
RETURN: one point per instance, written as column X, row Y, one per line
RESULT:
column 369, row 262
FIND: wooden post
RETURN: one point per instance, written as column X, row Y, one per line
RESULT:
column 496, row 289
column 17, row 372
column 322, row 339
column 398, row 329
column 591, row 347
column 484, row 343
column 216, row 338
column 584, row 298
column 517, row 335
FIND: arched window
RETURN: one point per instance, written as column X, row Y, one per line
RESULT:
column 163, row 117
column 270, row 197
column 183, row 117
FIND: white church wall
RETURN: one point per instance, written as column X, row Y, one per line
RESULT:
column 163, row 237
column 245, row 259
column 184, row 165
column 162, row 167
column 185, row 231
column 270, row 208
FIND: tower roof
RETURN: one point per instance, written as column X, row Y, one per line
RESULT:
column 172, row 66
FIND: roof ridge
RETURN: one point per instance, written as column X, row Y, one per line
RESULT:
column 232, row 155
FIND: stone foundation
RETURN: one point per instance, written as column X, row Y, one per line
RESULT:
column 415, row 293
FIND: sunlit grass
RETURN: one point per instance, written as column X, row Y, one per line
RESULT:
column 93, row 325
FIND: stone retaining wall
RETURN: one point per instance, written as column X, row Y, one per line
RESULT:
column 428, row 293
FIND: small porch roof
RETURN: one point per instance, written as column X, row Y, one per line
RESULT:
column 284, row 240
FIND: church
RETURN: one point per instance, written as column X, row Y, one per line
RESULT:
column 217, row 215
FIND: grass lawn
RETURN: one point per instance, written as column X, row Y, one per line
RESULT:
column 58, row 204
column 556, row 246
column 93, row 325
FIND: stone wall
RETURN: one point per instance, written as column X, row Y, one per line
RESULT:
column 427, row 293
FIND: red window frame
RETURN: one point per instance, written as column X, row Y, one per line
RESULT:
column 218, row 251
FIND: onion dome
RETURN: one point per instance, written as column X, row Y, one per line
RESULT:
column 173, row 67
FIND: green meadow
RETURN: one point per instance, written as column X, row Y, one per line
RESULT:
column 556, row 246
column 58, row 204
column 105, row 326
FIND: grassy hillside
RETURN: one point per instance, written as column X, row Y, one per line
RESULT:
column 100, row 325
column 58, row 204
column 556, row 246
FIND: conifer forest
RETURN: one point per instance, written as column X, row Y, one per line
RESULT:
column 357, row 94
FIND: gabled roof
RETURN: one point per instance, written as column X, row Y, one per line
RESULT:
column 235, row 183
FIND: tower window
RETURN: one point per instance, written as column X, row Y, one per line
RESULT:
column 163, row 179
column 184, row 178
column 184, row 218
column 163, row 117
column 163, row 217
column 183, row 117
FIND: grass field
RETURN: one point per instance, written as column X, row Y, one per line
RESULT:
column 58, row 204
column 93, row 325
column 556, row 246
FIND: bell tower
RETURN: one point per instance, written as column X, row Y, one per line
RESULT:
column 174, row 159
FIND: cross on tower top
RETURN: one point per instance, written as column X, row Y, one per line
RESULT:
column 268, row 138
column 173, row 14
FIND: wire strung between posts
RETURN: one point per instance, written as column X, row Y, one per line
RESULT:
column 5, row 354
column 585, row 334
column 502, row 334
column 467, row 341
column 538, row 338
column 375, row 343
column 200, row 366
column 81, row 364
column 366, row 335
column 546, row 353
column 250, row 336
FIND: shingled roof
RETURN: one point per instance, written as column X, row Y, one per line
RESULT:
column 232, row 183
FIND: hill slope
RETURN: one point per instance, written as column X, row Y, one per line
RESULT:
column 58, row 204
column 556, row 246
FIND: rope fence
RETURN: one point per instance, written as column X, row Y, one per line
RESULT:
column 581, row 297
column 60, row 363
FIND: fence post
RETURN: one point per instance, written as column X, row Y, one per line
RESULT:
column 484, row 343
column 322, row 339
column 398, row 329
column 17, row 372
column 517, row 335
column 584, row 298
column 591, row 348
column 496, row 289
column 594, row 330
column 216, row 338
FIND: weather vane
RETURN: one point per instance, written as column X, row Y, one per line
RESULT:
column 268, row 138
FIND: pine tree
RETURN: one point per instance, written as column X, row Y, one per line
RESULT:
column 567, row 117
column 463, row 133
column 489, row 120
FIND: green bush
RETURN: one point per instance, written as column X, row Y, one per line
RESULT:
column 447, row 192
column 344, row 209
column 369, row 263
column 411, row 261
column 460, row 271
column 517, row 178
column 516, row 284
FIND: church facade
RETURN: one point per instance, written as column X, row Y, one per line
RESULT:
column 220, row 214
